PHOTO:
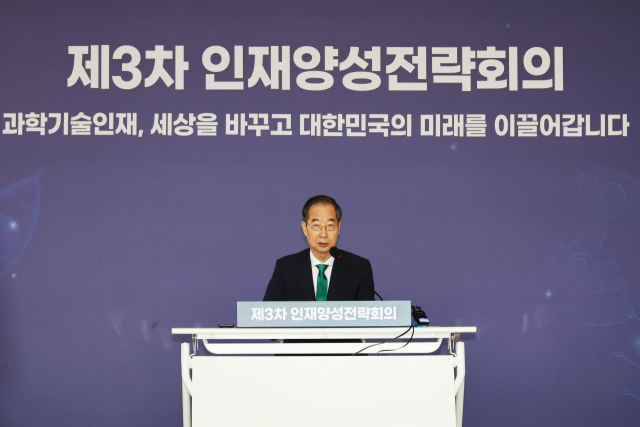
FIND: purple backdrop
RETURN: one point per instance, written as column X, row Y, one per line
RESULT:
column 532, row 240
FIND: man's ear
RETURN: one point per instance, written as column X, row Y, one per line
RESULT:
column 304, row 228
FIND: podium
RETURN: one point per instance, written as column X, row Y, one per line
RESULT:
column 322, row 383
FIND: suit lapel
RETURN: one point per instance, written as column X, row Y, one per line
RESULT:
column 337, row 278
column 304, row 276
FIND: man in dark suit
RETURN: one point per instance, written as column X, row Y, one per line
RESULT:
column 313, row 274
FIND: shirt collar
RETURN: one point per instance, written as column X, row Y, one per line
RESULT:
column 314, row 260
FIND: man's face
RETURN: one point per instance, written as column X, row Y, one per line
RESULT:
column 318, row 229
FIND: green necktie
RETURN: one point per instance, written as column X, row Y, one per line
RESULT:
column 321, row 292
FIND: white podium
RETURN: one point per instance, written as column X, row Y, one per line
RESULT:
column 322, row 384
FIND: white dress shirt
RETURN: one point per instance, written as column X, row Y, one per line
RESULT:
column 315, row 270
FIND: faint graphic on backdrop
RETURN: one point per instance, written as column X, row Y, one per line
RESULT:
column 600, row 296
column 19, row 207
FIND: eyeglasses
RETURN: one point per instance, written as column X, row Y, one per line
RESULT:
column 317, row 227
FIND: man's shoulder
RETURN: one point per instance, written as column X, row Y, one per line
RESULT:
column 352, row 258
column 294, row 258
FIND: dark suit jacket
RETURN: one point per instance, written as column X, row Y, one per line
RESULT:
column 293, row 279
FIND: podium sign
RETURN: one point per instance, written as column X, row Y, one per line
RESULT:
column 323, row 314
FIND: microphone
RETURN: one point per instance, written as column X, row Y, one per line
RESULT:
column 337, row 254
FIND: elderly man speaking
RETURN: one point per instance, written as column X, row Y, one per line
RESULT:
column 313, row 274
